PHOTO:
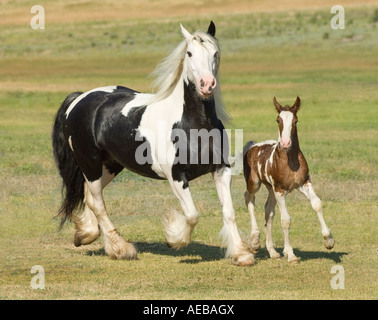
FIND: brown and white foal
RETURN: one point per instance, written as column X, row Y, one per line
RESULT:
column 281, row 167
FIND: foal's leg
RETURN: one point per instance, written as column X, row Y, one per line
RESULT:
column 236, row 249
column 285, row 223
column 115, row 246
column 269, row 215
column 316, row 204
column 255, row 232
column 178, row 227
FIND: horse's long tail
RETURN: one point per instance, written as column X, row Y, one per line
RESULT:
column 73, row 179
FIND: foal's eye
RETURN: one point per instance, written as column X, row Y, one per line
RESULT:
column 278, row 121
column 189, row 54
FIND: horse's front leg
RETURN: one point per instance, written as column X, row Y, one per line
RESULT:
column 236, row 249
column 285, row 223
column 178, row 227
column 316, row 204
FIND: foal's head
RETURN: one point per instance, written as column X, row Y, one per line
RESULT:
column 202, row 60
column 287, row 122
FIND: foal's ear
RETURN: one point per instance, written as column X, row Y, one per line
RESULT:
column 296, row 105
column 277, row 105
column 185, row 33
column 211, row 29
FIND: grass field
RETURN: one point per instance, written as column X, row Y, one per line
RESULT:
column 268, row 49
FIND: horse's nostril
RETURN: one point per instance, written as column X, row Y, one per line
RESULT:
column 210, row 88
column 213, row 83
column 202, row 83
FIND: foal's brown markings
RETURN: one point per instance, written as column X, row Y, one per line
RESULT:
column 281, row 167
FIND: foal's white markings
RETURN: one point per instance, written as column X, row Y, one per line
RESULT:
column 70, row 142
column 264, row 142
column 287, row 118
column 272, row 153
column 82, row 96
column 259, row 169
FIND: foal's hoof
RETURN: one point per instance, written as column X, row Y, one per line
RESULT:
column 244, row 260
column 254, row 243
column 329, row 242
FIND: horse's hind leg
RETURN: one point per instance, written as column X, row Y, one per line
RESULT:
column 115, row 246
column 269, row 215
column 86, row 224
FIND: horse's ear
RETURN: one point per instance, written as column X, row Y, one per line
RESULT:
column 185, row 33
column 277, row 105
column 211, row 29
column 297, row 104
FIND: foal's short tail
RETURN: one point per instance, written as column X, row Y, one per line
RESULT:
column 73, row 179
column 248, row 146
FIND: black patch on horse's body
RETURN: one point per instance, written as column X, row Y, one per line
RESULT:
column 102, row 135
column 199, row 115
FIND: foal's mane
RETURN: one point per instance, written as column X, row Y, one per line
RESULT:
column 169, row 72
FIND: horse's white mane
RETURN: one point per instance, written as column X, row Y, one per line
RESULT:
column 168, row 72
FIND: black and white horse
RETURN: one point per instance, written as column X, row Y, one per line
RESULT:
column 98, row 133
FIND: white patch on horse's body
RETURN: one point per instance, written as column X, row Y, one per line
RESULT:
column 70, row 142
column 140, row 99
column 172, row 107
column 264, row 143
column 259, row 170
column 82, row 96
column 272, row 153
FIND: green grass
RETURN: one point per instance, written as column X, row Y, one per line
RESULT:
column 283, row 54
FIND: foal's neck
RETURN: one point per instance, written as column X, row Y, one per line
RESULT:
column 292, row 155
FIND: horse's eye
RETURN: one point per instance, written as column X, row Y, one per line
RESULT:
column 278, row 121
column 189, row 54
column 215, row 55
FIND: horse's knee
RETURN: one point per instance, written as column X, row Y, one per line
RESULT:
column 316, row 204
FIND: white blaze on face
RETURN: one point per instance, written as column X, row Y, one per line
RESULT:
column 201, row 62
column 285, row 135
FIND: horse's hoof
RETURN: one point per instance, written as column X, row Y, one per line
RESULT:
column 84, row 238
column 245, row 260
column 329, row 242
column 117, row 248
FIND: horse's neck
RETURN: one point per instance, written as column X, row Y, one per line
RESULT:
column 291, row 157
column 201, row 113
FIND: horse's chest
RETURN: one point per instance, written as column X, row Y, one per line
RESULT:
column 290, row 176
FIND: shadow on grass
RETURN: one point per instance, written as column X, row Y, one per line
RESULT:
column 305, row 255
column 196, row 252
